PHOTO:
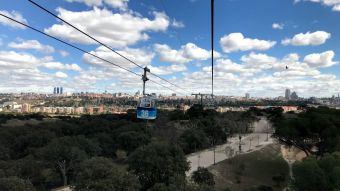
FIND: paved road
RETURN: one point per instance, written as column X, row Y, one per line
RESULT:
column 249, row 143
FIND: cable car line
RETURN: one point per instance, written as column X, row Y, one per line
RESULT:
column 82, row 50
column 169, row 82
column 101, row 43
column 75, row 47
column 165, row 86
column 106, row 46
column 212, row 48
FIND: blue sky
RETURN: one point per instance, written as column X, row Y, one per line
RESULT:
column 254, row 42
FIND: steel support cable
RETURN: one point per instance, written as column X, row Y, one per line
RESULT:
column 75, row 47
column 212, row 48
column 82, row 50
column 101, row 43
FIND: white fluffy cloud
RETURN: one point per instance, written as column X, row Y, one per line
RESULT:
column 60, row 66
column 271, row 80
column 21, row 72
column 336, row 7
column 32, row 44
column 139, row 56
column 265, row 63
column 177, row 24
column 166, row 54
column 63, row 53
column 278, row 26
column 335, row 4
column 165, row 70
column 15, row 15
column 237, row 42
column 11, row 60
column 115, row 29
column 306, row 39
column 227, row 66
column 259, row 61
column 260, row 74
column 14, row 60
column 61, row 75
column 88, row 79
column 186, row 53
column 121, row 4
column 324, row 59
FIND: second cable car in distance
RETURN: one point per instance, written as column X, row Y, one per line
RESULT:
column 146, row 108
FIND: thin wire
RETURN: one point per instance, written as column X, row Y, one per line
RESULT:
column 165, row 86
column 180, row 43
column 169, row 82
column 75, row 47
column 108, row 47
column 212, row 47
column 82, row 50
column 36, row 4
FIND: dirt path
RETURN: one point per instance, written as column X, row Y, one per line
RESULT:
column 249, row 143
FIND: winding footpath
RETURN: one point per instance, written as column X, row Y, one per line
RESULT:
column 249, row 143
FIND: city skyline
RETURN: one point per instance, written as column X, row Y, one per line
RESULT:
column 173, row 40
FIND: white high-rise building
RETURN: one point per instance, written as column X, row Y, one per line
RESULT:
column 247, row 96
column 287, row 94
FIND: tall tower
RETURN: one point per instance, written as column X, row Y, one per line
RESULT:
column 287, row 94
column 61, row 90
column 57, row 90
column 247, row 96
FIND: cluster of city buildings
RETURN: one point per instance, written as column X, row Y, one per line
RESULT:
column 284, row 108
column 291, row 96
column 98, row 103
column 14, row 107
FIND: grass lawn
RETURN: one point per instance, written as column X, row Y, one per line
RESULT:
column 251, row 170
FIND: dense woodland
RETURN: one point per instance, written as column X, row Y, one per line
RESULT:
column 120, row 152
column 316, row 132
column 111, row 152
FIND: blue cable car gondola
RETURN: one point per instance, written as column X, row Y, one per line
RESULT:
column 146, row 108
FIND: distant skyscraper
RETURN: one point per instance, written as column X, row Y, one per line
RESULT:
column 57, row 90
column 287, row 94
column 247, row 96
column 61, row 90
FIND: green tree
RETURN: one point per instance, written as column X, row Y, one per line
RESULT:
column 66, row 152
column 15, row 184
column 214, row 131
column 131, row 140
column 107, row 144
column 195, row 111
column 4, row 153
column 260, row 188
column 101, row 174
column 203, row 176
column 309, row 176
column 157, row 162
column 315, row 131
column 193, row 139
column 278, row 179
